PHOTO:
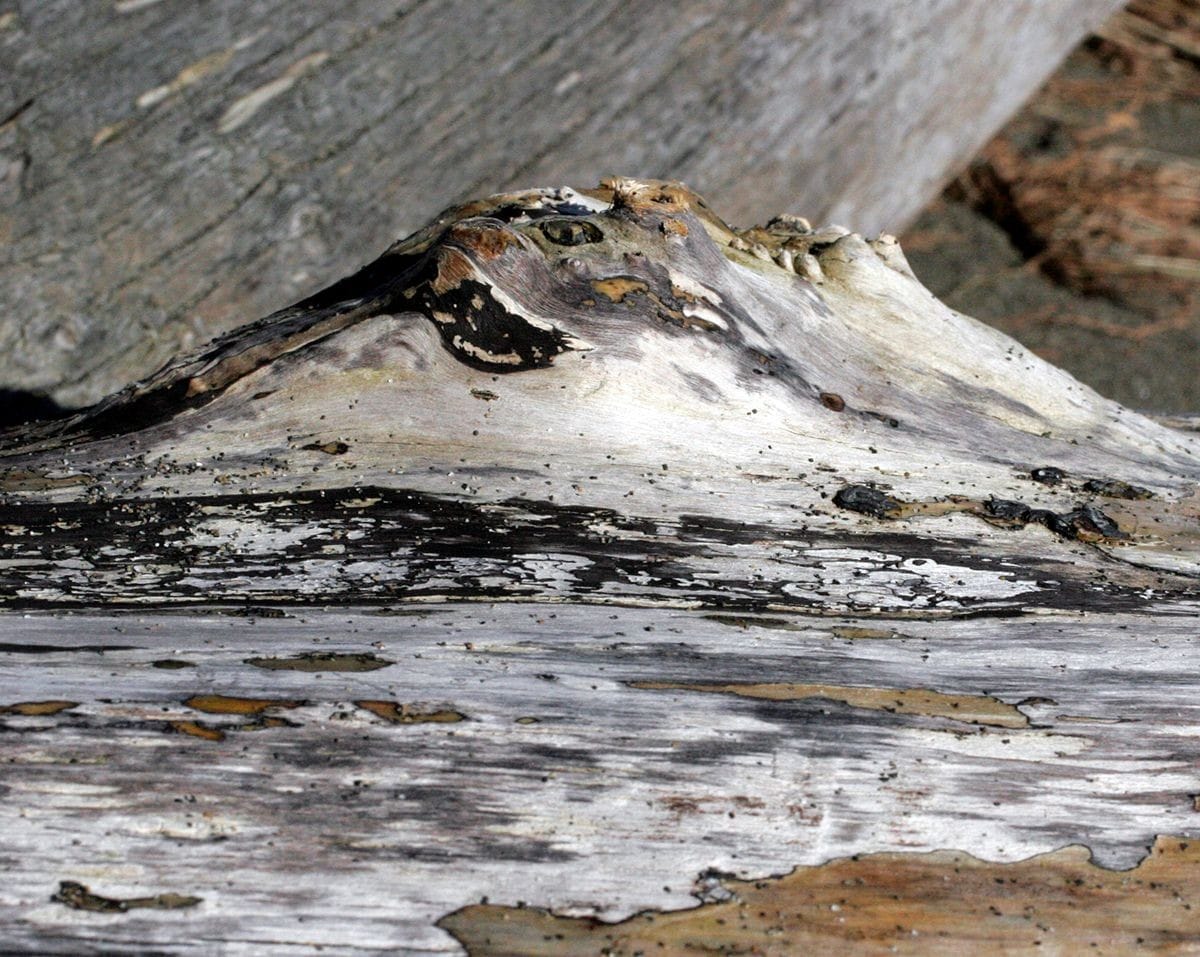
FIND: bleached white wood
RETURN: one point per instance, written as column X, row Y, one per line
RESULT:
column 351, row 832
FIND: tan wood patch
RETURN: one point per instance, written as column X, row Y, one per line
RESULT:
column 974, row 709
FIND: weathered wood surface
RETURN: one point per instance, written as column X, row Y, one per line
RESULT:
column 578, row 552
column 566, row 786
column 168, row 169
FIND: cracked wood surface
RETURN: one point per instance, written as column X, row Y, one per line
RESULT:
column 580, row 552
column 167, row 169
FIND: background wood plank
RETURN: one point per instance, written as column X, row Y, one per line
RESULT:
column 169, row 171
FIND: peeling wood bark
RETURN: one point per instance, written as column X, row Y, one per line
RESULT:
column 169, row 169
column 938, row 903
column 577, row 549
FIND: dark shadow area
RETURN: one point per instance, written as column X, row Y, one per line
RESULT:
column 18, row 407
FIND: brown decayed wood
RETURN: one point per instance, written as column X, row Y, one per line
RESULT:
column 943, row 902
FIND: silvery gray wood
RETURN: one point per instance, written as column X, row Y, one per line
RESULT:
column 169, row 170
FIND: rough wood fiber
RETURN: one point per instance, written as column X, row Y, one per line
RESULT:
column 168, row 168
column 584, row 553
column 304, row 817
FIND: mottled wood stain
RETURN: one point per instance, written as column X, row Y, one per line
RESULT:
column 228, row 704
column 508, row 736
column 198, row 729
column 79, row 897
column 618, row 288
column 37, row 709
column 322, row 661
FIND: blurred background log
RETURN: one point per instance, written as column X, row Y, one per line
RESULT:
column 170, row 170
column 1077, row 229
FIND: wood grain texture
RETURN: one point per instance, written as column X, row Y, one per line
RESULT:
column 565, row 785
column 169, row 171
column 579, row 553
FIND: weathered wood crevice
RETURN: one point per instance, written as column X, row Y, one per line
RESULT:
column 373, row 543
column 578, row 546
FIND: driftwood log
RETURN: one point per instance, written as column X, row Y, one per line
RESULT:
column 169, row 170
column 586, row 576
